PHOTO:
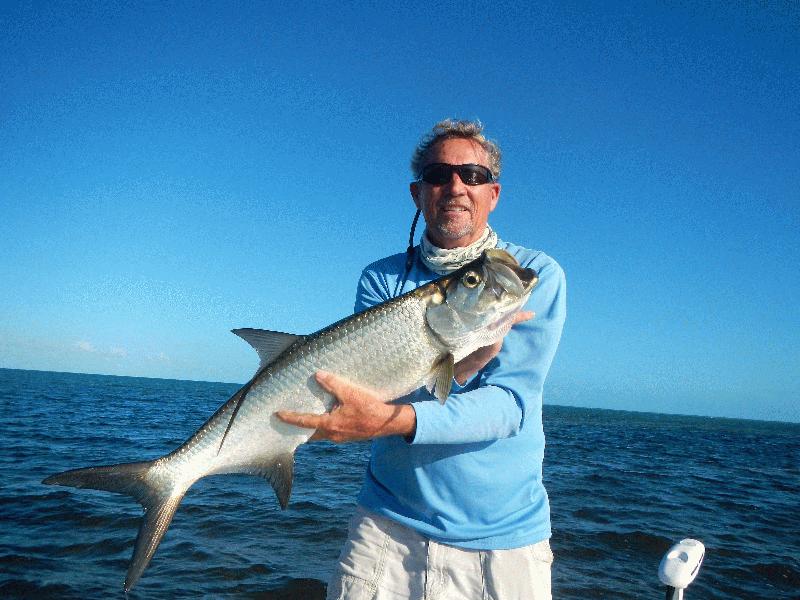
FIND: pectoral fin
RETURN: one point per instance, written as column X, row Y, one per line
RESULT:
column 444, row 377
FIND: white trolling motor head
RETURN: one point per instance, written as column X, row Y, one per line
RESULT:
column 680, row 566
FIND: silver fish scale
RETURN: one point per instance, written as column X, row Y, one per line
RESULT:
column 387, row 348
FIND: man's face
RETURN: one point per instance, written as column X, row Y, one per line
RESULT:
column 455, row 213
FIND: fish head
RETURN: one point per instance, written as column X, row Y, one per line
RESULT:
column 475, row 306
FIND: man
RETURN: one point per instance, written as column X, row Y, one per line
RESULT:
column 452, row 504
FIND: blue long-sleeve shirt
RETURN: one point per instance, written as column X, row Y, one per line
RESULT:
column 472, row 474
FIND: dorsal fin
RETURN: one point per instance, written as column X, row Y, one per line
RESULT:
column 268, row 344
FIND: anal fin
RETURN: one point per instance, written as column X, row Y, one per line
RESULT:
column 279, row 471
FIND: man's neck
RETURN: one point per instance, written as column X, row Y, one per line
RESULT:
column 449, row 244
column 445, row 260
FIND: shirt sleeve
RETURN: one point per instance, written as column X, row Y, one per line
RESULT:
column 372, row 289
column 494, row 404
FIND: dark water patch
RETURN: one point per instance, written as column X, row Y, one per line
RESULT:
column 190, row 552
column 634, row 542
column 296, row 589
column 215, row 530
column 23, row 589
column 588, row 515
column 26, row 561
column 305, row 505
column 787, row 573
column 93, row 518
column 236, row 574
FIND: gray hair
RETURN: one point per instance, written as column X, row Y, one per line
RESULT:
column 453, row 128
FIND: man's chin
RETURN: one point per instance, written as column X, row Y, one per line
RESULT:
column 451, row 233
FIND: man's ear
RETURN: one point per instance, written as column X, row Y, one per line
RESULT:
column 414, row 189
column 495, row 196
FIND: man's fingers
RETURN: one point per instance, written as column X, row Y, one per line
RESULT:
column 326, row 380
column 305, row 420
column 340, row 387
column 523, row 315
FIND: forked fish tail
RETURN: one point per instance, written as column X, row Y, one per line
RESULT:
column 159, row 501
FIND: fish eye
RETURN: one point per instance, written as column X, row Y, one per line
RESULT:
column 471, row 279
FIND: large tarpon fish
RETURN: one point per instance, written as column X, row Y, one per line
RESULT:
column 395, row 347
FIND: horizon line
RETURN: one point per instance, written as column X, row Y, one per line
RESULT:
column 621, row 410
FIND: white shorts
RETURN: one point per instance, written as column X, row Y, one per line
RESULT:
column 384, row 560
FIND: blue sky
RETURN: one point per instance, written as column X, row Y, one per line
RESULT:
column 170, row 172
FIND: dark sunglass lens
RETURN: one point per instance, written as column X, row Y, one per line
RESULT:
column 469, row 175
column 437, row 174
column 474, row 174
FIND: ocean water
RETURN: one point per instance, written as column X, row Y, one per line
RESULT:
column 623, row 488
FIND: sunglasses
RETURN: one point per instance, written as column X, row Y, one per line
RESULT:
column 441, row 173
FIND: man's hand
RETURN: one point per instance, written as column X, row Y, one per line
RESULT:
column 472, row 363
column 359, row 414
